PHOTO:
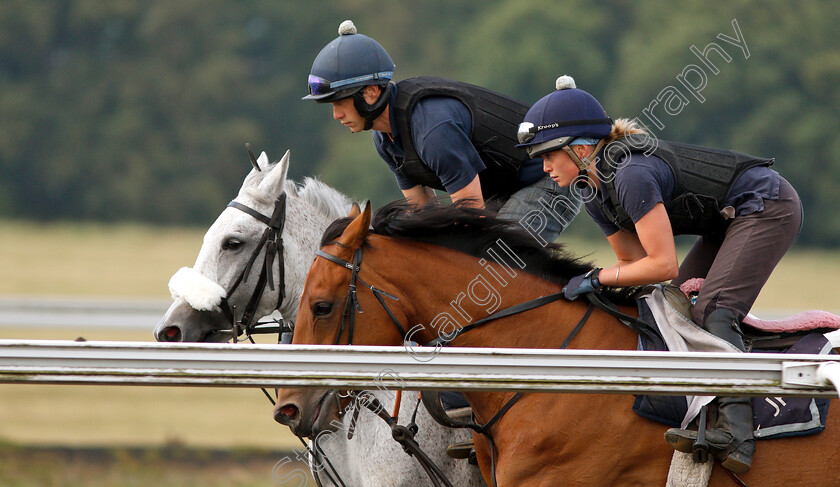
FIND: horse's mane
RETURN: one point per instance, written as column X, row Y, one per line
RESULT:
column 474, row 231
column 325, row 199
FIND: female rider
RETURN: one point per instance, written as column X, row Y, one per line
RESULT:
column 641, row 192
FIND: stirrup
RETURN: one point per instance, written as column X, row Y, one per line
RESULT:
column 460, row 450
column 700, row 449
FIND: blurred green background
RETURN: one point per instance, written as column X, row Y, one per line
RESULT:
column 139, row 111
column 122, row 132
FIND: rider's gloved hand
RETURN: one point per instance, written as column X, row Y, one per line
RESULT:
column 582, row 284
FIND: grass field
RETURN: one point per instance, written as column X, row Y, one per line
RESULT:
column 132, row 261
column 137, row 261
column 128, row 416
column 93, row 259
column 122, row 467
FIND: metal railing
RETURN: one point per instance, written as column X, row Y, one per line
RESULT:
column 359, row 367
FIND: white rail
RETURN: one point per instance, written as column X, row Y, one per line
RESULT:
column 584, row 371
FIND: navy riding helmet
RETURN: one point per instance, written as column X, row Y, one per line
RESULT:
column 346, row 65
column 560, row 117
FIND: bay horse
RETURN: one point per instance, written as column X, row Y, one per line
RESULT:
column 443, row 268
column 196, row 315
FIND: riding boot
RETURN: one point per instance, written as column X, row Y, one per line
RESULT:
column 731, row 440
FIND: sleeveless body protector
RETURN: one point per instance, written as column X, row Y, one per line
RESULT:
column 703, row 179
column 495, row 118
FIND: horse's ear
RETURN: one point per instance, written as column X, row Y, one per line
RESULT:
column 262, row 161
column 276, row 179
column 354, row 235
column 355, row 210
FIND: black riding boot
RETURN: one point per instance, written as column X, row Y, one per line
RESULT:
column 731, row 440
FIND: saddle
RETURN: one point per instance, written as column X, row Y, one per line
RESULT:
column 756, row 329
column 666, row 308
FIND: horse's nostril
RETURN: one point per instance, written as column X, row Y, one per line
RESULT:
column 286, row 414
column 171, row 334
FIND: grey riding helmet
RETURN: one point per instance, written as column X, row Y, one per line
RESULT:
column 348, row 63
column 560, row 117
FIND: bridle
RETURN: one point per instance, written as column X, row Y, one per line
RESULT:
column 352, row 305
column 272, row 241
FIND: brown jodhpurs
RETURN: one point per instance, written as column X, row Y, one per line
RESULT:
column 737, row 267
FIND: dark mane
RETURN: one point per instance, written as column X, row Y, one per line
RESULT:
column 474, row 231
column 334, row 230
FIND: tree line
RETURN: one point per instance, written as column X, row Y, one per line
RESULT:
column 140, row 110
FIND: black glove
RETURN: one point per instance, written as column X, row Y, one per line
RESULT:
column 582, row 284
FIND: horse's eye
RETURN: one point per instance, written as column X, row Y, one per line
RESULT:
column 322, row 308
column 232, row 244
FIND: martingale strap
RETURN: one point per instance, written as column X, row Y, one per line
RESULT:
column 405, row 437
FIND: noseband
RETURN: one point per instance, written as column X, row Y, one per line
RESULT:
column 272, row 240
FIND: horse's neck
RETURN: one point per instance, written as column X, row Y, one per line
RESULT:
column 461, row 289
column 305, row 224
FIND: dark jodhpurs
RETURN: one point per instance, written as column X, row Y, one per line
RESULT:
column 737, row 267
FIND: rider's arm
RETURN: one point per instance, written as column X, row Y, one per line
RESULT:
column 471, row 192
column 418, row 195
column 648, row 257
column 441, row 133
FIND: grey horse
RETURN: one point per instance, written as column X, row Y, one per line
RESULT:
column 202, row 311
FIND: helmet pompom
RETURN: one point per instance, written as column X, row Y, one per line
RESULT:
column 347, row 28
column 565, row 82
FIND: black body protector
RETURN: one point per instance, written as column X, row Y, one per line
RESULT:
column 704, row 177
column 495, row 118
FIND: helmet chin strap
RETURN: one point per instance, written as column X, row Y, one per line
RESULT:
column 583, row 165
column 371, row 111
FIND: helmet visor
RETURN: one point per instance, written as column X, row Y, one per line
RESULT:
column 526, row 133
column 551, row 145
column 318, row 86
column 527, row 130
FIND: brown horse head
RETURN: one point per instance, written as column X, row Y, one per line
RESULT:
column 326, row 308
column 418, row 274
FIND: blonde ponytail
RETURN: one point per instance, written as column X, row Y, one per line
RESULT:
column 622, row 127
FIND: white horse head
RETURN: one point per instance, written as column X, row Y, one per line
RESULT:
column 200, row 292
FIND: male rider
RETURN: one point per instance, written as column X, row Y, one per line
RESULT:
column 439, row 134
